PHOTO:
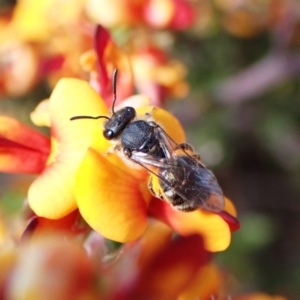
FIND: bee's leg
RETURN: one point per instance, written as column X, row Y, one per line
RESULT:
column 127, row 152
column 186, row 147
column 178, row 202
column 190, row 150
column 196, row 156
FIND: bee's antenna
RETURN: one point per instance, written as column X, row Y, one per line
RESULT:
column 114, row 87
column 88, row 117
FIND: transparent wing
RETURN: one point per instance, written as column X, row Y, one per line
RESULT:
column 183, row 173
column 170, row 148
column 208, row 191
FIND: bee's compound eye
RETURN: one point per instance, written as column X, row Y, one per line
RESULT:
column 108, row 134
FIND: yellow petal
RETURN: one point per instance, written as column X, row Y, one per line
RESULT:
column 109, row 199
column 166, row 120
column 52, row 194
column 40, row 116
column 230, row 208
column 214, row 230
column 30, row 18
column 212, row 227
column 36, row 20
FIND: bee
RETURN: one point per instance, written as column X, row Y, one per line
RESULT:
column 177, row 175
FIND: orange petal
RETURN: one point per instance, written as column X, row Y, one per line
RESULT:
column 207, row 282
column 166, row 120
column 260, row 296
column 109, row 199
column 156, row 237
column 212, row 227
column 38, row 226
column 52, row 193
column 157, row 76
column 230, row 208
column 170, row 271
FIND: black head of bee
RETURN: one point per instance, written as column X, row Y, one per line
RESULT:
column 118, row 122
column 134, row 135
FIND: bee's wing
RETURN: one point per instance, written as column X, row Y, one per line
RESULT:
column 215, row 202
column 201, row 188
column 204, row 190
column 170, row 148
column 168, row 145
column 152, row 163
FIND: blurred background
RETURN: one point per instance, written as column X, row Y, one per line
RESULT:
column 237, row 94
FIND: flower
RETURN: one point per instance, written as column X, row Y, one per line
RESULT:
column 111, row 195
column 40, row 43
column 175, row 265
column 154, row 73
column 155, row 266
column 55, row 184
column 62, row 265
column 162, row 14
column 158, row 76
column 52, row 265
column 168, row 272
column 100, row 63
column 260, row 296
column 16, row 59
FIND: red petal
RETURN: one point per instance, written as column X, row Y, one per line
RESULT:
column 102, row 38
column 169, row 271
column 174, row 14
column 110, row 57
column 15, row 131
column 184, row 15
column 232, row 222
column 51, row 64
column 21, row 160
column 22, row 149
